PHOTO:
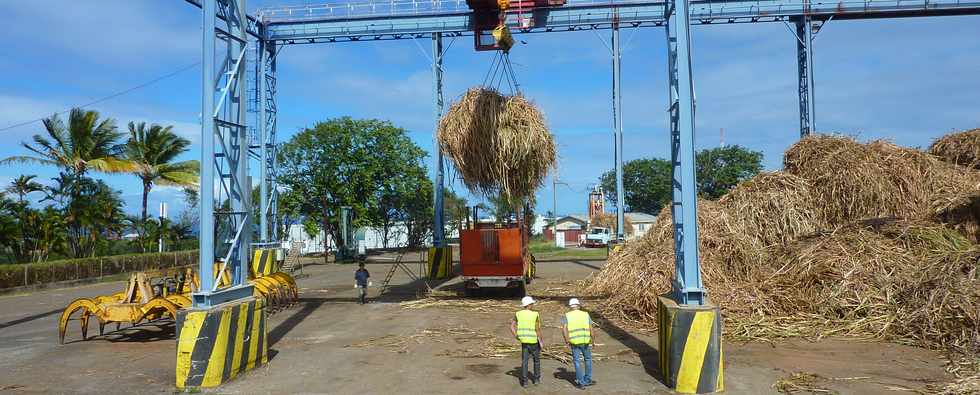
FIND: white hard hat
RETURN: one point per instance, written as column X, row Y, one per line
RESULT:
column 574, row 302
column 525, row 301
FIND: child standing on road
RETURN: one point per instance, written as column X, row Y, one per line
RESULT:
column 361, row 277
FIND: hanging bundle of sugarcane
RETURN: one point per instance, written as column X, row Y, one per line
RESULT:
column 499, row 144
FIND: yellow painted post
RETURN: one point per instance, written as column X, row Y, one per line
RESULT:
column 440, row 261
column 217, row 344
column 690, row 346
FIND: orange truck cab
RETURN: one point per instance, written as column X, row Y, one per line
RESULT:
column 495, row 256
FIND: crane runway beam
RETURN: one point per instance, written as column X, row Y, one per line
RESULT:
column 353, row 25
column 252, row 27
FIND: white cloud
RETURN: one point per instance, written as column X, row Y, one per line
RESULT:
column 106, row 31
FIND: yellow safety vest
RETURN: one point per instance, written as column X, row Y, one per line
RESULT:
column 527, row 328
column 577, row 322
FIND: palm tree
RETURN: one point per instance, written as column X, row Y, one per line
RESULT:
column 153, row 149
column 24, row 185
column 85, row 143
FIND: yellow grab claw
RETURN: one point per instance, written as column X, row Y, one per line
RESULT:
column 87, row 306
column 158, row 307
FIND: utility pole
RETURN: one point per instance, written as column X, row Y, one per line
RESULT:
column 618, row 132
column 438, row 225
column 554, row 202
column 163, row 216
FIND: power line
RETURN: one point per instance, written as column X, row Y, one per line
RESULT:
column 112, row 96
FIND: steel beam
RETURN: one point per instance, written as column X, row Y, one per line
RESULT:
column 263, row 145
column 252, row 23
column 266, row 119
column 687, row 286
column 206, row 238
column 438, row 224
column 383, row 20
column 270, row 120
column 618, row 133
column 804, row 59
column 224, row 167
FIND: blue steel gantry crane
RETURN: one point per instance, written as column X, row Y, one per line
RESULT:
column 228, row 142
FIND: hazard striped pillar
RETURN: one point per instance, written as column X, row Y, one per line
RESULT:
column 216, row 344
column 690, row 346
column 264, row 262
column 440, row 262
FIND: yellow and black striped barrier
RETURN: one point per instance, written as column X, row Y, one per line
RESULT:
column 690, row 347
column 264, row 262
column 215, row 345
column 440, row 262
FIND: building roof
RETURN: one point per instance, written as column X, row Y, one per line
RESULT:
column 577, row 218
column 638, row 217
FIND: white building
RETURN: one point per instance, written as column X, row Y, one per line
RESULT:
column 642, row 222
column 369, row 237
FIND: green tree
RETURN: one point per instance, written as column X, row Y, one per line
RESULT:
column 154, row 149
column 311, row 227
column 91, row 211
column 23, row 186
column 344, row 162
column 9, row 229
column 86, row 142
column 189, row 217
column 94, row 214
column 720, row 169
column 502, row 208
column 646, row 185
column 397, row 179
column 419, row 215
column 647, row 182
column 42, row 231
column 289, row 205
column 454, row 210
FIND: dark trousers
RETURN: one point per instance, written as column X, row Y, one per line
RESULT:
column 532, row 351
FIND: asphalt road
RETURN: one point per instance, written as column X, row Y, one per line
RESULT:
column 330, row 344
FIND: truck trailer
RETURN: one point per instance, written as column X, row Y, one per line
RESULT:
column 495, row 256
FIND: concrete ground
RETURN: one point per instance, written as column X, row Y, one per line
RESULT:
column 397, row 344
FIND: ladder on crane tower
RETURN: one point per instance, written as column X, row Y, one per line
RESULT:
column 399, row 263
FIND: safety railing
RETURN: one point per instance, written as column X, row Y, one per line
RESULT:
column 394, row 8
column 699, row 9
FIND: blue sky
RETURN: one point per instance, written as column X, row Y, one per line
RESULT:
column 909, row 80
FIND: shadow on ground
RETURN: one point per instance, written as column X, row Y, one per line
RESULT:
column 30, row 318
column 649, row 356
column 143, row 333
column 565, row 374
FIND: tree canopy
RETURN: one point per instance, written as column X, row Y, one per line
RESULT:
column 370, row 165
column 647, row 182
column 154, row 150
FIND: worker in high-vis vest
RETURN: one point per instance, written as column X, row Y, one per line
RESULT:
column 526, row 327
column 576, row 327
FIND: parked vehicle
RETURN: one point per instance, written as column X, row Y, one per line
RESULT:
column 597, row 237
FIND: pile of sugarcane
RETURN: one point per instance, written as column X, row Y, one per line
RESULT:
column 869, row 240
